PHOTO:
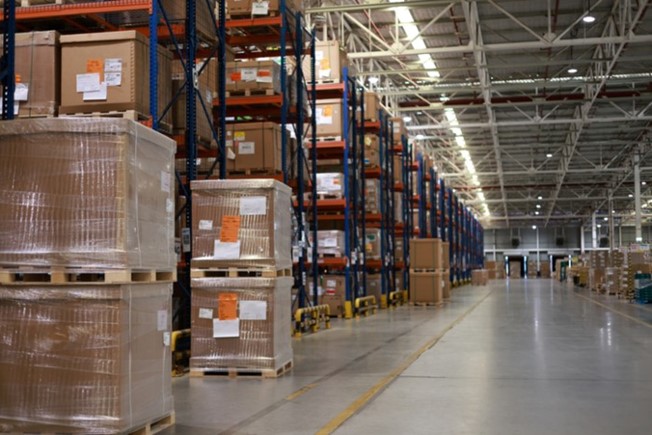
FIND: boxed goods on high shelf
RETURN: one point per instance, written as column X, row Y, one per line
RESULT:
column 85, row 358
column 330, row 184
column 258, row 8
column 256, row 147
column 329, row 118
column 102, row 197
column 371, row 151
column 37, row 67
column 241, row 284
column 372, row 196
column 371, row 106
column 241, row 224
column 330, row 243
column 426, row 277
column 88, row 227
column 330, row 58
column 372, row 244
column 398, row 207
column 253, row 77
column 109, row 72
column 206, row 87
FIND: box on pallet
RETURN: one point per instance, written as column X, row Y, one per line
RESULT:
column 371, row 107
column 241, row 323
column 373, row 286
column 103, row 72
column 256, row 146
column 479, row 277
column 425, row 254
column 398, row 249
column 334, row 293
column 254, row 76
column 330, row 184
column 426, row 287
column 102, row 197
column 37, row 67
column 206, row 87
column 329, row 118
column 259, row 7
column 514, row 269
column 84, row 358
column 329, row 61
column 398, row 170
column 372, row 245
column 398, row 207
column 447, row 283
column 372, row 196
column 445, row 255
column 371, row 150
column 241, row 224
column 398, row 129
column 330, row 242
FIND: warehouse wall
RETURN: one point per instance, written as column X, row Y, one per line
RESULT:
column 623, row 236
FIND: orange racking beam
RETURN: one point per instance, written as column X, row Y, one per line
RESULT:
column 69, row 10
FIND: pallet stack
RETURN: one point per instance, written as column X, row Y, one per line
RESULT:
column 241, row 278
column 427, row 282
column 86, row 270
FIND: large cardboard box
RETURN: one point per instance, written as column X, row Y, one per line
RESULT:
column 37, row 67
column 399, row 129
column 330, row 184
column 121, row 61
column 398, row 170
column 445, row 255
column 371, row 150
column 372, row 196
column 334, row 293
column 425, row 254
column 329, row 117
column 241, row 323
column 514, row 269
column 398, row 207
column 372, row 245
column 254, row 75
column 91, row 192
column 447, row 283
column 84, row 358
column 426, row 287
column 479, row 277
column 372, row 107
column 330, row 242
column 241, row 223
column 374, row 286
column 329, row 61
column 256, row 145
column 206, row 87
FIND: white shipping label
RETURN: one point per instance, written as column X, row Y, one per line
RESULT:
column 98, row 95
column 166, row 338
column 260, row 8
column 205, row 224
column 226, row 328
column 324, row 73
column 162, row 320
column 248, row 74
column 165, row 182
column 229, row 152
column 246, row 148
column 253, row 310
column 324, row 115
column 331, row 283
column 88, row 82
column 319, row 54
column 205, row 313
column 264, row 78
column 169, row 205
column 21, row 92
column 330, row 242
column 113, row 78
column 226, row 250
column 253, row 205
column 112, row 65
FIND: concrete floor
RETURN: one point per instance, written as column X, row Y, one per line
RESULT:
column 527, row 357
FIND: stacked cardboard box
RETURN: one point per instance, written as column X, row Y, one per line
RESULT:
column 532, row 268
column 426, row 277
column 445, row 268
column 85, row 280
column 371, row 151
column 330, row 184
column 612, row 280
column 514, row 270
column 333, row 293
column 596, row 279
column 372, row 243
column 330, row 58
column 328, row 116
column 256, row 147
column 253, row 77
column 241, row 229
column 544, row 269
column 479, row 277
column 372, row 196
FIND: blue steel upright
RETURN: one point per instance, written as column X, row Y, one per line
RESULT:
column 7, row 61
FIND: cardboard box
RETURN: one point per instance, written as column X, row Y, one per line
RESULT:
column 479, row 277
column 398, row 207
column 398, row 249
column 334, row 293
column 120, row 59
column 84, row 358
column 207, row 87
column 86, row 192
column 398, row 170
column 241, row 323
column 330, row 242
column 372, row 245
column 371, row 151
column 514, row 269
column 425, row 254
column 258, row 7
column 254, row 75
column 329, row 118
column 426, row 287
column 445, row 255
column 372, row 196
column 37, row 68
column 371, row 107
column 447, row 283
column 256, row 216
column 330, row 184
column 330, row 59
column 256, row 145
column 399, row 129
column 374, row 286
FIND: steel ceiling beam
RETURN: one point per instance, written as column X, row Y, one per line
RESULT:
column 534, row 172
column 527, row 122
column 380, row 6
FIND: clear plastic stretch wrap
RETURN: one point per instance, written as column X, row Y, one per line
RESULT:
column 241, row 223
column 85, row 358
column 241, row 323
column 86, row 192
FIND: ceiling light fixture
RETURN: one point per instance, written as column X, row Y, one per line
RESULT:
column 599, row 226
column 536, row 213
column 539, row 197
column 588, row 18
column 572, row 70
column 373, row 80
column 548, row 155
column 643, row 183
column 407, row 119
column 606, row 219
column 534, row 227
column 630, row 195
column 538, row 205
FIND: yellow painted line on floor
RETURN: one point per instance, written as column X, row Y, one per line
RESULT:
column 301, row 391
column 633, row 319
column 368, row 395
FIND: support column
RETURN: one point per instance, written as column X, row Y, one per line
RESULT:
column 612, row 241
column 594, row 235
column 637, row 197
column 538, row 255
column 582, row 241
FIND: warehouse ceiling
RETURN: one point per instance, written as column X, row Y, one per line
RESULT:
column 533, row 112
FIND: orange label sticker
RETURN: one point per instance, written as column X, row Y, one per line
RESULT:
column 95, row 66
column 264, row 73
column 227, row 306
column 230, row 229
column 18, row 78
column 328, row 111
column 325, row 64
column 236, row 76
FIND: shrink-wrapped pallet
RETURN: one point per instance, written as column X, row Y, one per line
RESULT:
column 91, row 192
column 85, row 358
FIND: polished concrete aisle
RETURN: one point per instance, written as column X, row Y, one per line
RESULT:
column 529, row 357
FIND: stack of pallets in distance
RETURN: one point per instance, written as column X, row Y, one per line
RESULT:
column 427, row 276
column 241, row 278
column 86, row 270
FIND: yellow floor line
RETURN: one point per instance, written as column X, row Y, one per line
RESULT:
column 633, row 319
column 368, row 395
column 301, row 391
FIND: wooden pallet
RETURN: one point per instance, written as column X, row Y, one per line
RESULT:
column 234, row 272
column 329, row 138
column 234, row 373
column 323, row 255
column 250, row 92
column 238, row 15
column 433, row 270
column 55, row 275
column 426, row 304
column 326, row 81
column 327, row 196
column 155, row 426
